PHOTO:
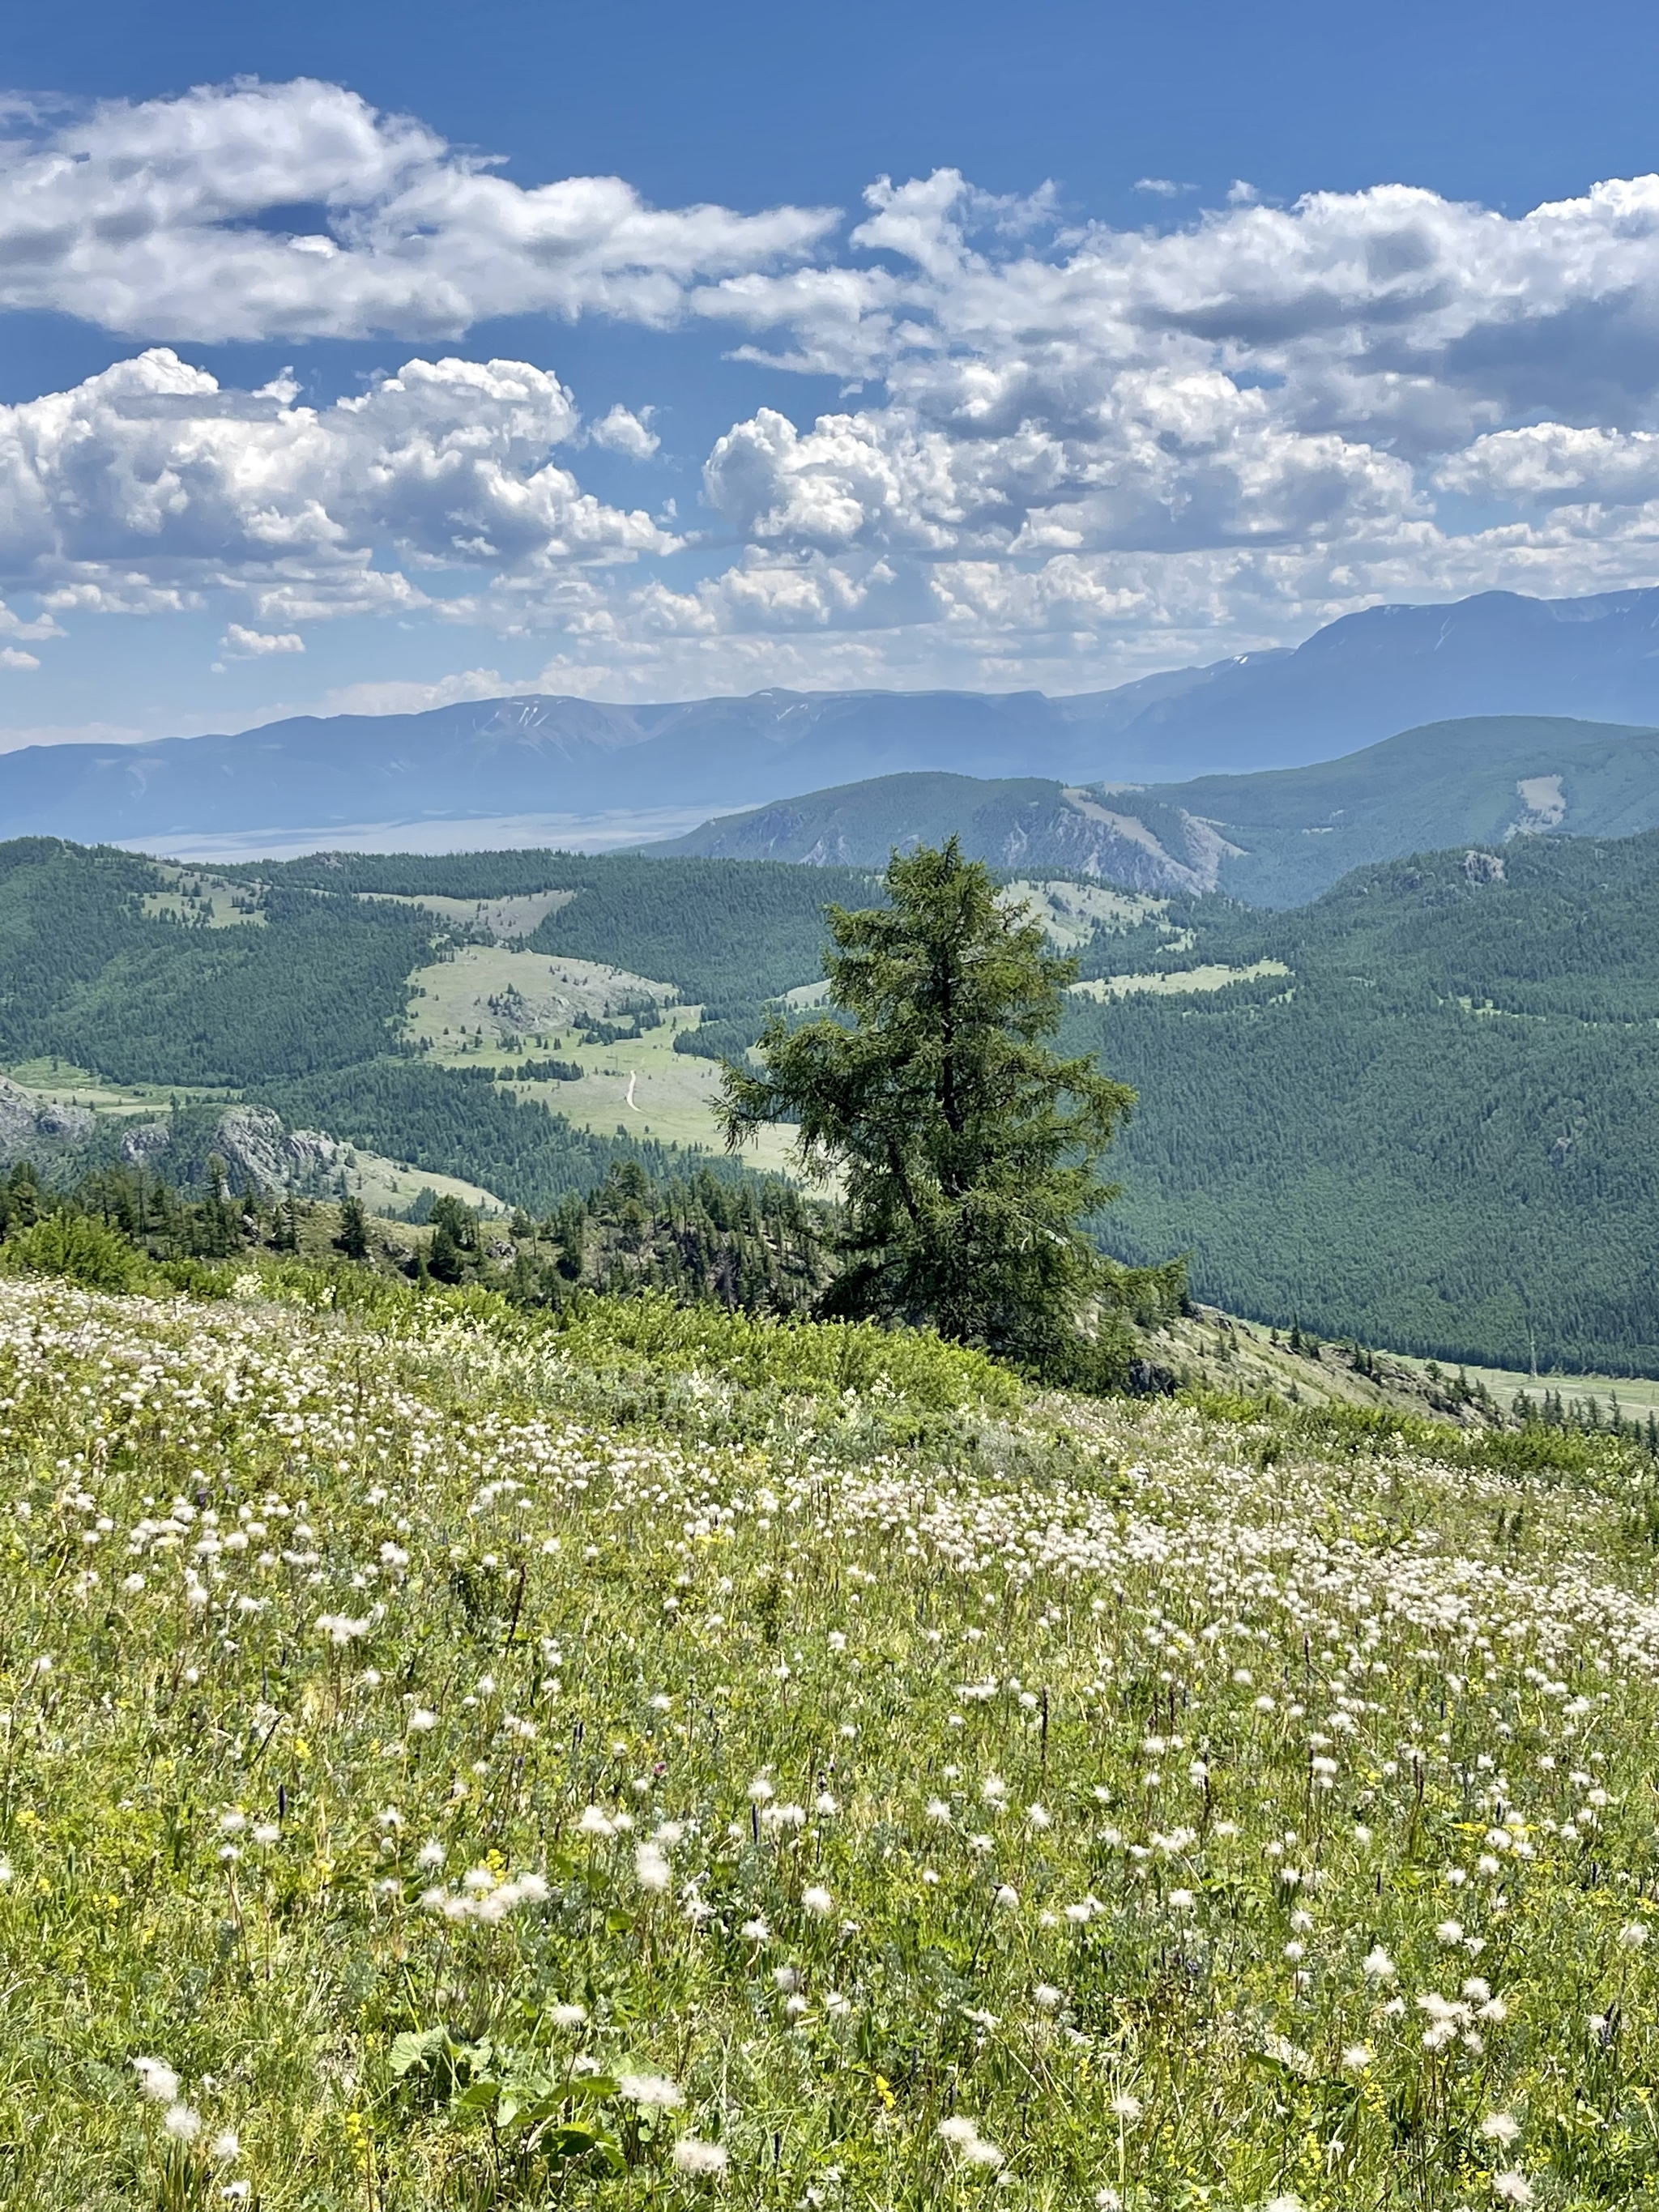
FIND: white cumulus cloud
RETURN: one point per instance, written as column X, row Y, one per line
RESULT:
column 258, row 210
column 624, row 432
column 1062, row 452
column 150, row 483
column 258, row 644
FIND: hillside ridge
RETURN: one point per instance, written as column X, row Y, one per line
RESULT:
column 1275, row 838
column 1351, row 684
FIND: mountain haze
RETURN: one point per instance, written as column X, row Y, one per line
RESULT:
column 1352, row 684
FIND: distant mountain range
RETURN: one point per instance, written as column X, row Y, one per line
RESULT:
column 1272, row 839
column 1353, row 683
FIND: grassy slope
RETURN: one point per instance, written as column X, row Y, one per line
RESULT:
column 1126, row 1788
column 1450, row 783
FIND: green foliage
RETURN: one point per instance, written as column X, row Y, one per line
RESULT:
column 755, row 1242
column 73, row 1245
column 715, row 1040
column 543, row 1070
column 822, row 1359
column 966, row 1147
column 352, row 1239
column 1438, row 1132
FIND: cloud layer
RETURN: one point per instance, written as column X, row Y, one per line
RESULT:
column 148, row 485
column 1062, row 451
column 258, row 211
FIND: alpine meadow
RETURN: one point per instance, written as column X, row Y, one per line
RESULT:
column 829, row 1108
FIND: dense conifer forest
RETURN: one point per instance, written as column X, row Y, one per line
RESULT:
column 1437, row 1128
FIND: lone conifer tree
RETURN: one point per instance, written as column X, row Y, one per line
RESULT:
column 352, row 1239
column 967, row 1149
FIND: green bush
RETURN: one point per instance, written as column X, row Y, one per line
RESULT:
column 72, row 1245
column 814, row 1358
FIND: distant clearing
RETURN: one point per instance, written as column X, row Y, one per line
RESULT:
column 644, row 1088
column 519, row 916
column 1179, row 980
column 1069, row 912
column 507, row 994
column 639, row 1088
column 203, row 901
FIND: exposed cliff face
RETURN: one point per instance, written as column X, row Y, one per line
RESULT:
column 1155, row 847
column 258, row 1152
column 29, row 1125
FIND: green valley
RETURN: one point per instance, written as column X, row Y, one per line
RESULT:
column 1420, row 1111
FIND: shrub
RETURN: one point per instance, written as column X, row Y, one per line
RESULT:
column 73, row 1245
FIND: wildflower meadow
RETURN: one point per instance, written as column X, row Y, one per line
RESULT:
column 447, row 1761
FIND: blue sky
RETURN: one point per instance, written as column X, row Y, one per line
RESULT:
column 983, row 346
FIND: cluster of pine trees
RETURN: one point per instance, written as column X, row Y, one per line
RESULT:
column 755, row 1244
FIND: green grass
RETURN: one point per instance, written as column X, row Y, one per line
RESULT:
column 954, row 1795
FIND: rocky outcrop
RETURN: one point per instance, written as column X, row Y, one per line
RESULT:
column 29, row 1124
column 259, row 1153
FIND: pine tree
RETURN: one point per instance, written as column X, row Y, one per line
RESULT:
column 352, row 1236
column 966, row 1148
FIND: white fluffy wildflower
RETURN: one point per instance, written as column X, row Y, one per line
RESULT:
column 1500, row 2128
column 651, row 1870
column 817, row 1901
column 182, row 2122
column 341, row 1629
column 156, row 2080
column 965, row 2139
column 702, row 2159
column 654, row 2093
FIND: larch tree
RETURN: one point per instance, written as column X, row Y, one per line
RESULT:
column 966, row 1149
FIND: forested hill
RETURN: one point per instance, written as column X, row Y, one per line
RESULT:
column 1422, row 1111
column 288, row 985
column 1436, row 1126
column 106, row 961
column 715, row 929
column 1273, row 838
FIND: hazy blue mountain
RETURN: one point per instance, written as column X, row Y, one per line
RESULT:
column 1351, row 684
column 1273, row 839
